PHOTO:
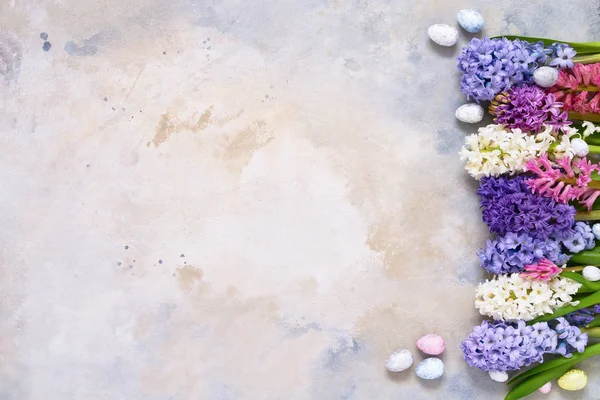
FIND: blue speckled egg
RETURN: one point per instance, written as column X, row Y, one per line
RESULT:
column 470, row 20
column 430, row 368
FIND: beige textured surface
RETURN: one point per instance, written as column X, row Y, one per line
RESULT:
column 284, row 177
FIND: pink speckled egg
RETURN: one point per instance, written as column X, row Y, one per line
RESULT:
column 546, row 388
column 431, row 344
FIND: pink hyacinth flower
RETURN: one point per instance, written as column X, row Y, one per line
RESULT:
column 580, row 103
column 543, row 271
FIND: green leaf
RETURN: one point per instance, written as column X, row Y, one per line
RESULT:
column 590, row 351
column 579, row 47
column 594, row 323
column 537, row 381
column 588, row 301
column 546, row 365
column 574, row 276
column 586, row 258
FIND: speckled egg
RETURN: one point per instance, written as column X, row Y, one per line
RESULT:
column 443, row 34
column 430, row 368
column 591, row 273
column 399, row 360
column 499, row 376
column 469, row 113
column 546, row 388
column 470, row 20
column 580, row 147
column 575, row 379
column 545, row 76
column 431, row 344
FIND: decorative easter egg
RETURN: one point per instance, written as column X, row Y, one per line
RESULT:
column 430, row 368
column 399, row 360
column 545, row 76
column 596, row 230
column 580, row 147
column 499, row 376
column 431, row 344
column 443, row 34
column 591, row 273
column 546, row 388
column 470, row 113
column 470, row 20
column 575, row 379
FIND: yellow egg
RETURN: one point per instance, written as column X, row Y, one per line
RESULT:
column 575, row 379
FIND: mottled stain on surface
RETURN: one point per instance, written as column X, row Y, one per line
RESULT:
column 189, row 277
column 241, row 146
column 169, row 124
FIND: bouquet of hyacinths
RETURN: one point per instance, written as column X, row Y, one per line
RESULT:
column 539, row 190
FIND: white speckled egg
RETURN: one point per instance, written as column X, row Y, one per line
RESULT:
column 470, row 20
column 443, row 34
column 580, row 147
column 546, row 388
column 469, row 113
column 399, row 360
column 499, row 376
column 591, row 273
column 545, row 76
column 430, row 368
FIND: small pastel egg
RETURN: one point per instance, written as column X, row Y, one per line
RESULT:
column 431, row 344
column 443, row 34
column 469, row 113
column 470, row 20
column 546, row 388
column 580, row 147
column 591, row 273
column 499, row 376
column 399, row 360
column 545, row 76
column 575, row 379
column 430, row 368
column 596, row 230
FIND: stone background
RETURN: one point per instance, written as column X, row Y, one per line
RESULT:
column 228, row 199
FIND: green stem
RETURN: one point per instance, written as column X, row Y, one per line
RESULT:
column 577, row 268
column 592, row 332
column 593, row 215
column 587, row 59
column 584, row 117
column 594, row 149
column 572, row 181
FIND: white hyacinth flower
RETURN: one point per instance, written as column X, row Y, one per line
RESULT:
column 511, row 297
column 494, row 151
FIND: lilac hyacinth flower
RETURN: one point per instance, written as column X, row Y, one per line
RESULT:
column 495, row 346
column 509, row 206
column 490, row 66
column 562, row 55
column 528, row 108
column 513, row 252
column 581, row 317
column 582, row 238
column 570, row 338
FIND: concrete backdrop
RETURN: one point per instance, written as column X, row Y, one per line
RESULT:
column 229, row 199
